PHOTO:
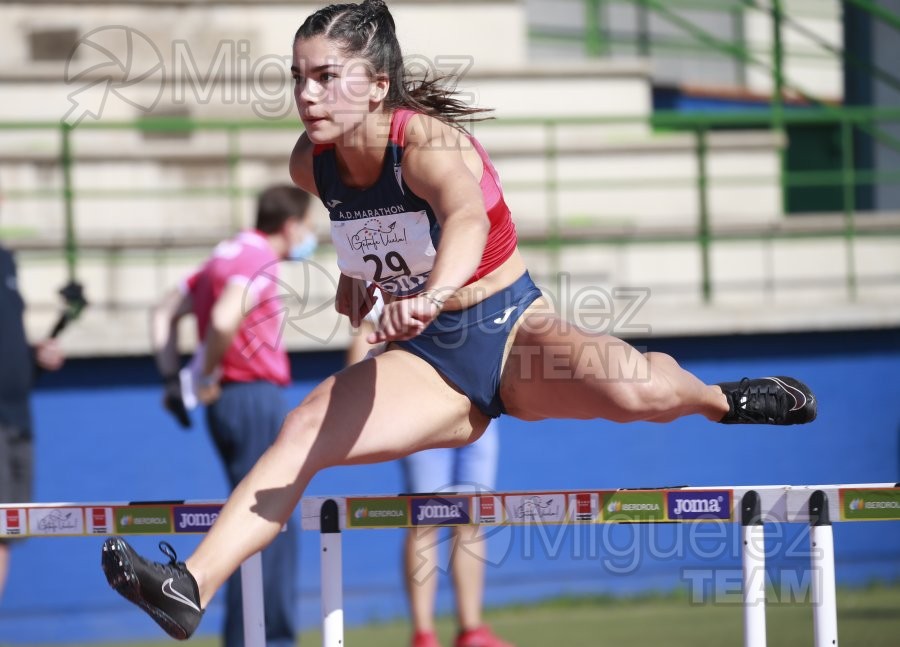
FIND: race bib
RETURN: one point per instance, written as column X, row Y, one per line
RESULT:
column 395, row 252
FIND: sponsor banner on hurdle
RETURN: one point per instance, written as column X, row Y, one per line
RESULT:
column 633, row 506
column 99, row 521
column 440, row 511
column 488, row 510
column 56, row 521
column 195, row 518
column 870, row 504
column 13, row 522
column 788, row 504
column 699, row 505
column 378, row 512
column 535, row 508
column 144, row 520
column 584, row 506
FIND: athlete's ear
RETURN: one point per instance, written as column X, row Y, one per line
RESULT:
column 380, row 85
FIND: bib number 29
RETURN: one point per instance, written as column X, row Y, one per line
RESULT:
column 394, row 262
column 400, row 279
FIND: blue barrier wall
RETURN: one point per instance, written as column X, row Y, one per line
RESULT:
column 101, row 436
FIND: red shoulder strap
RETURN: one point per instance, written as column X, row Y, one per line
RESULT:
column 399, row 120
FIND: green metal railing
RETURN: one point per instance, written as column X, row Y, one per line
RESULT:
column 563, row 229
column 599, row 37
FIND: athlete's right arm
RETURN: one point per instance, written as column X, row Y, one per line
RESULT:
column 301, row 165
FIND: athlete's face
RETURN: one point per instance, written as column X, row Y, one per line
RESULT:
column 334, row 93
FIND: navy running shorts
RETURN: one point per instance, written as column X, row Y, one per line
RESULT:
column 466, row 346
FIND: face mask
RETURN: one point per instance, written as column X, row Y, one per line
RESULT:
column 305, row 248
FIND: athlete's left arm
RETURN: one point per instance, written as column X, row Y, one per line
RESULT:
column 435, row 168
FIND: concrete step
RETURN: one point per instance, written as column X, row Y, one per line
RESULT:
column 252, row 34
column 596, row 89
column 645, row 181
column 608, row 177
column 609, row 278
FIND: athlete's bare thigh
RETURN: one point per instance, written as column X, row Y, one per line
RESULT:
column 555, row 369
column 387, row 407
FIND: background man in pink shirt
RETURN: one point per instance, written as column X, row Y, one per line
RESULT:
column 239, row 370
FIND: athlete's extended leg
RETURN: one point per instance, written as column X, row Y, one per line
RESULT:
column 557, row 370
column 377, row 410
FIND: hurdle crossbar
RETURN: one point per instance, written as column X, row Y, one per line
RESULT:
column 751, row 506
column 819, row 506
column 137, row 518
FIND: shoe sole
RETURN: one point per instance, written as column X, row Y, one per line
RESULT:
column 120, row 574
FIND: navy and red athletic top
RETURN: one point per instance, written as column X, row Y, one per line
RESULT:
column 387, row 234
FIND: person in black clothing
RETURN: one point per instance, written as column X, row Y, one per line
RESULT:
column 19, row 364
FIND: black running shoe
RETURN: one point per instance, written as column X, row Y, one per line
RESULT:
column 168, row 592
column 768, row 401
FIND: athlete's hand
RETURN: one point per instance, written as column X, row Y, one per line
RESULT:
column 354, row 299
column 404, row 319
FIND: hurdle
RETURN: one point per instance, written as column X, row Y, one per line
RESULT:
column 818, row 506
column 137, row 518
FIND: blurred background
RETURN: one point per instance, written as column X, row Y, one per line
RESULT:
column 718, row 179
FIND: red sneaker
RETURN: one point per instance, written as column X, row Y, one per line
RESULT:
column 481, row 637
column 425, row 639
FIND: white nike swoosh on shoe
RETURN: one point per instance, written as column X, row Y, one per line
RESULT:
column 502, row 320
column 172, row 594
column 794, row 391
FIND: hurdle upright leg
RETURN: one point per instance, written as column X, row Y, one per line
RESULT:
column 252, row 602
column 332, row 594
column 753, row 562
column 824, row 592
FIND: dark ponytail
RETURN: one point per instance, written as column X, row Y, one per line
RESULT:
column 367, row 30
